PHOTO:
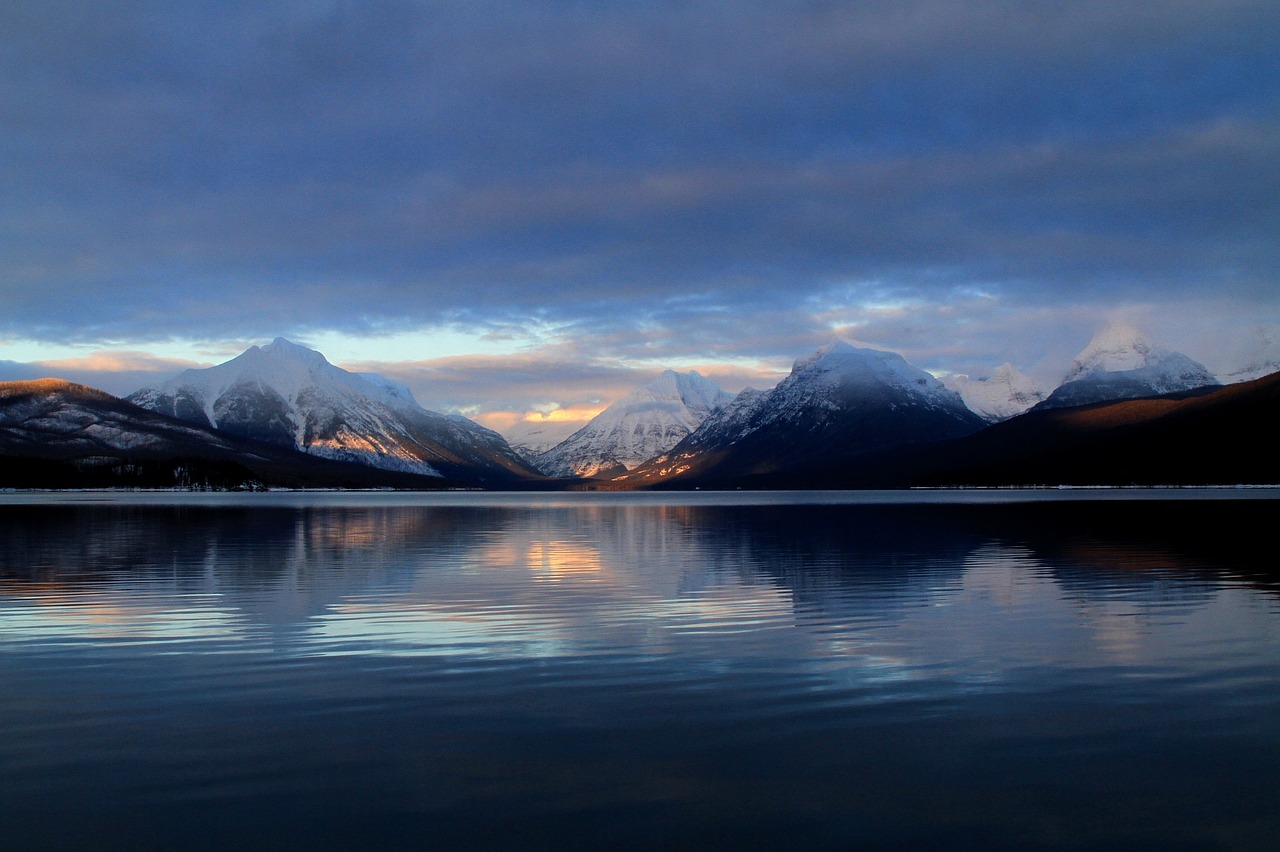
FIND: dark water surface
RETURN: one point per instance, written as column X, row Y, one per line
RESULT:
column 960, row 671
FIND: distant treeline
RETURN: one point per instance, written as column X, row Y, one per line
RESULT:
column 184, row 473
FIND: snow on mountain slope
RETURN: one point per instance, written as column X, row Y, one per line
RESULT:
column 840, row 372
column 839, row 402
column 733, row 422
column 394, row 389
column 1121, row 363
column 646, row 422
column 1004, row 394
column 292, row 396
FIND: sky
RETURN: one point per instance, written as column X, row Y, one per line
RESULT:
column 520, row 207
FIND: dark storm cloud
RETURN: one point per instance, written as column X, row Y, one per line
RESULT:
column 686, row 172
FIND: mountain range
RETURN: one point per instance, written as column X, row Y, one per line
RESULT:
column 57, row 434
column 846, row 416
column 1210, row 436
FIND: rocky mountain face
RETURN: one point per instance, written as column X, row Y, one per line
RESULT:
column 839, row 402
column 1121, row 363
column 291, row 396
column 646, row 422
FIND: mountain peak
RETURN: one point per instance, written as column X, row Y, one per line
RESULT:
column 286, row 349
column 690, row 389
column 1121, row 363
column 841, row 364
column 1116, row 347
column 828, row 351
column 649, row 420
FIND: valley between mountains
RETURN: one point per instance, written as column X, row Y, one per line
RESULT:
column 281, row 416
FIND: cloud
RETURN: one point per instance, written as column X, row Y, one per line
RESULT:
column 120, row 361
column 550, row 380
column 117, row 372
column 656, row 180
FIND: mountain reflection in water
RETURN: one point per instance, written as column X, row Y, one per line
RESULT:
column 370, row 672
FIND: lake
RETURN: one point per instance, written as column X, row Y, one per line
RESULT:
column 956, row 670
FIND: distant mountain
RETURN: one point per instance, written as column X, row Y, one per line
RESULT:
column 1258, row 353
column 1121, row 363
column 1251, row 371
column 1004, row 394
column 57, row 434
column 840, row 402
column 532, row 438
column 291, row 396
column 1222, row 436
column 646, row 422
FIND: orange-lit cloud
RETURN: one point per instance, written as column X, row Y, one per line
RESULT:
column 577, row 413
column 502, row 420
column 121, row 361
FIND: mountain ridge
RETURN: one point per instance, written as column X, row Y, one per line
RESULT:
column 60, row 434
column 289, row 395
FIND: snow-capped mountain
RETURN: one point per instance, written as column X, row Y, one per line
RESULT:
column 58, row 434
column 837, row 403
column 1005, row 393
column 291, row 396
column 646, row 422
column 1121, row 363
column 1258, row 354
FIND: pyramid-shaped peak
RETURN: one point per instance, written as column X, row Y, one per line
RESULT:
column 667, row 380
column 675, row 376
column 1121, row 363
column 284, row 348
column 675, row 385
column 1115, row 347
column 1117, row 335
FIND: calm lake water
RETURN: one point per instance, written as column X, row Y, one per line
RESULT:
column 1057, row 670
